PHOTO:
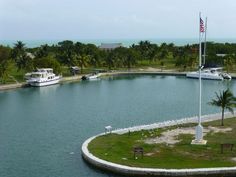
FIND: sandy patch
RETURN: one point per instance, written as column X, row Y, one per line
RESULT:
column 171, row 136
column 149, row 154
column 219, row 130
column 152, row 69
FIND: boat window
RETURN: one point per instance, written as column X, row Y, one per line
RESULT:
column 35, row 75
column 49, row 70
column 212, row 71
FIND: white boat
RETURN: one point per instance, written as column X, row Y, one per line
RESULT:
column 210, row 73
column 93, row 76
column 42, row 77
column 226, row 76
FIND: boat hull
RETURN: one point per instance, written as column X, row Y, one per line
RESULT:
column 91, row 77
column 43, row 83
column 207, row 77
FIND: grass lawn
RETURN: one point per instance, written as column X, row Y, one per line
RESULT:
column 119, row 148
column 14, row 75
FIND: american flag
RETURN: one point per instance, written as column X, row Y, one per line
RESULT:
column 202, row 26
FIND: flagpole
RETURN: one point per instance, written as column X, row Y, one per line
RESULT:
column 199, row 129
column 200, row 68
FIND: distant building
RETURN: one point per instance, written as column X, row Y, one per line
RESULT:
column 74, row 70
column 109, row 46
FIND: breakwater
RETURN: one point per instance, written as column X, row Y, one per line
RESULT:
column 137, row 171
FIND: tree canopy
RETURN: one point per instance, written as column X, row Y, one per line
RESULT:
column 68, row 53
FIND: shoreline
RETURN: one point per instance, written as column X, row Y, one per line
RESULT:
column 149, row 71
column 24, row 84
column 31, row 43
column 78, row 77
column 138, row 171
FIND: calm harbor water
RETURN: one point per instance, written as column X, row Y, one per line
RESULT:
column 42, row 129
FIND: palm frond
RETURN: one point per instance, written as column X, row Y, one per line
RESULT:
column 224, row 99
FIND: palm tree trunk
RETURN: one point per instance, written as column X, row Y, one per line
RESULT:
column 222, row 118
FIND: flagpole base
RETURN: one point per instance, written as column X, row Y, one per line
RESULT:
column 199, row 136
column 199, row 142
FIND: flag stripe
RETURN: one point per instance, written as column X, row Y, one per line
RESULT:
column 202, row 30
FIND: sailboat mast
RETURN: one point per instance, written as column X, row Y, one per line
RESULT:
column 204, row 58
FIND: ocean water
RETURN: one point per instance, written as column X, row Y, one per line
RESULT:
column 125, row 42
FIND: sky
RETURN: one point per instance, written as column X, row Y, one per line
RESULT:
column 114, row 19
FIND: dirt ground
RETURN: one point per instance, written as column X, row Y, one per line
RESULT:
column 171, row 136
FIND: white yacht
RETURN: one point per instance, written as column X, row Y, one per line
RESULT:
column 210, row 73
column 42, row 77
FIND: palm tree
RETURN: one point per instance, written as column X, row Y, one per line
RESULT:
column 19, row 45
column 4, row 63
column 18, row 49
column 145, row 49
column 228, row 62
column 131, row 58
column 225, row 100
column 19, row 55
column 81, row 60
column 109, row 60
column 42, row 51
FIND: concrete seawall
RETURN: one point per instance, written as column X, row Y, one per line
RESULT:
column 78, row 77
column 136, row 171
column 12, row 86
column 167, row 73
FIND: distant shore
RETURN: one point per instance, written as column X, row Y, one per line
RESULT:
column 125, row 42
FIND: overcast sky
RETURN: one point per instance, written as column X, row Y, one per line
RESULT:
column 114, row 19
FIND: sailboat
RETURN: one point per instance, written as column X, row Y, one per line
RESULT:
column 208, row 73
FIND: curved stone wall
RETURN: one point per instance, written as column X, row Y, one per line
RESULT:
column 126, row 170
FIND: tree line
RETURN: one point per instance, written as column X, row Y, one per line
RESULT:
column 68, row 53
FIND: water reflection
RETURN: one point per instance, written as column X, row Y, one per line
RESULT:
column 47, row 89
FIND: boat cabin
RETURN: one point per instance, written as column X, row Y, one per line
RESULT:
column 48, row 70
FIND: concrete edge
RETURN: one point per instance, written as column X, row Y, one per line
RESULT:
column 78, row 77
column 127, row 170
column 12, row 86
